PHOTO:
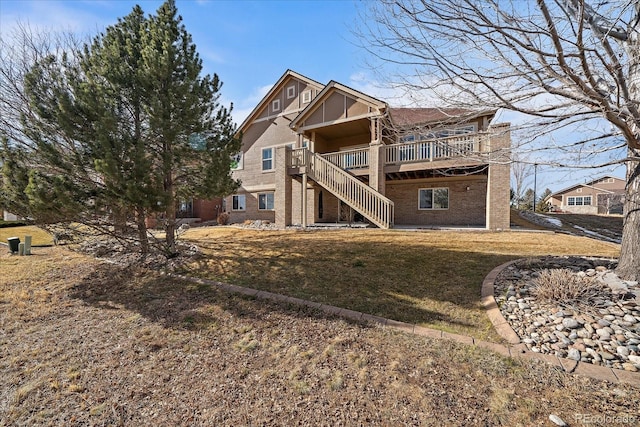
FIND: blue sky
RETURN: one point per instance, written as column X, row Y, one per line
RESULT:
column 250, row 44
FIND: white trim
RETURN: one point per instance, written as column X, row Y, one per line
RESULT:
column 307, row 96
column 336, row 122
column 272, row 159
column 275, row 105
column 291, row 91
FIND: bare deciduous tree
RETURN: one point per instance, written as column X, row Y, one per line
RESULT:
column 572, row 67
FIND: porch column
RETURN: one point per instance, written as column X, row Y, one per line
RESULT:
column 282, row 196
column 376, row 158
column 498, row 183
column 303, row 209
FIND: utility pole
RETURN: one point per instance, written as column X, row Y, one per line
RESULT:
column 535, row 183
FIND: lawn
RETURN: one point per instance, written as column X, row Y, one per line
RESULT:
column 89, row 343
column 431, row 278
column 39, row 237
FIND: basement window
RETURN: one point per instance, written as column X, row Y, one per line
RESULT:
column 265, row 201
column 238, row 202
column 433, row 198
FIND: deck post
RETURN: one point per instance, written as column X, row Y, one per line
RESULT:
column 377, row 158
column 282, row 196
column 304, row 200
column 498, row 182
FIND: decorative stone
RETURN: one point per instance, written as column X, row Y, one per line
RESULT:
column 606, row 355
column 557, row 420
column 571, row 323
column 573, row 354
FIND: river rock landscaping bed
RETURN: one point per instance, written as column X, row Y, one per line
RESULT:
column 593, row 317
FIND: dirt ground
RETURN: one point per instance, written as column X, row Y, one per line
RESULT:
column 88, row 343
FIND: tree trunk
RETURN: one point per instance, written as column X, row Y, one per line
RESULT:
column 170, row 218
column 629, row 264
column 142, row 230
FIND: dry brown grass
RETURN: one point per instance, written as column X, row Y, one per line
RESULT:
column 431, row 278
column 38, row 235
column 562, row 286
column 128, row 347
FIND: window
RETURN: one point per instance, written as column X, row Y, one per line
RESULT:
column 275, row 105
column 579, row 201
column 265, row 201
column 306, row 97
column 291, row 92
column 433, row 198
column 237, row 161
column 238, row 202
column 267, row 159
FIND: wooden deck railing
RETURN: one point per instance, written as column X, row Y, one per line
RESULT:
column 430, row 150
column 372, row 205
column 349, row 159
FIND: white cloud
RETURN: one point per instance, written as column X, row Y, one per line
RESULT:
column 48, row 15
column 244, row 107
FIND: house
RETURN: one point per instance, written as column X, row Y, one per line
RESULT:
column 604, row 195
column 314, row 153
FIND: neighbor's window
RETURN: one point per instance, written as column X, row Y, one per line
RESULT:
column 579, row 201
column 265, row 201
column 267, row 159
column 238, row 202
column 433, row 198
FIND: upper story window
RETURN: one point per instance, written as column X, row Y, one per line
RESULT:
column 267, row 159
column 275, row 105
column 237, row 161
column 429, row 134
column 306, row 96
column 291, row 92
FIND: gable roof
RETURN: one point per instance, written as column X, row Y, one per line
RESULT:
column 330, row 88
column 274, row 89
column 422, row 116
column 589, row 184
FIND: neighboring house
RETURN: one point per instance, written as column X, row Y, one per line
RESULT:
column 604, row 195
column 200, row 210
column 314, row 153
column 8, row 216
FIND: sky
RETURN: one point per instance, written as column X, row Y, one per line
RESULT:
column 250, row 44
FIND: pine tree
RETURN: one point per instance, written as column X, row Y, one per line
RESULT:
column 126, row 127
column 192, row 134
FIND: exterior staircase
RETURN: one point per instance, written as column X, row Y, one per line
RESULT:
column 371, row 204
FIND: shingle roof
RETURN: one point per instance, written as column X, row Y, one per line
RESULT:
column 415, row 116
